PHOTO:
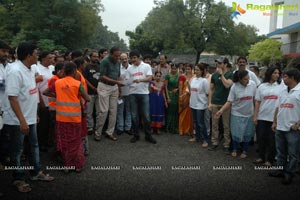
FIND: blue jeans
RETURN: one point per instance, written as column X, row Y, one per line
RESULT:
column 139, row 105
column 235, row 145
column 287, row 147
column 199, row 125
column 31, row 150
column 124, row 108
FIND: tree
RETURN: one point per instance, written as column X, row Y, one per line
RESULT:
column 65, row 24
column 266, row 51
column 191, row 26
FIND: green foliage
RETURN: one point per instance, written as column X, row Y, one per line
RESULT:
column 266, row 51
column 192, row 26
column 61, row 24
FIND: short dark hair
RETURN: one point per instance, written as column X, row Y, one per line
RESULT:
column 101, row 51
column 43, row 55
column 113, row 49
column 79, row 61
column 69, row 68
column 25, row 49
column 58, row 66
column 295, row 73
column 238, row 75
column 76, row 53
column 255, row 68
column 242, row 58
column 134, row 52
column 4, row 45
column 147, row 56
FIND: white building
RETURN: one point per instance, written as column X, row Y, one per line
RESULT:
column 285, row 25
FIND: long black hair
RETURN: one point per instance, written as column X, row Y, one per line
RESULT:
column 270, row 71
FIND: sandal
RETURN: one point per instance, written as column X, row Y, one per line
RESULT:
column 243, row 155
column 22, row 186
column 258, row 161
column 267, row 164
column 42, row 177
column 234, row 154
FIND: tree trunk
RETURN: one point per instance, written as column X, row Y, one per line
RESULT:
column 198, row 57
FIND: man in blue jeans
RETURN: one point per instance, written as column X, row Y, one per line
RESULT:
column 287, row 125
column 140, row 74
column 20, row 116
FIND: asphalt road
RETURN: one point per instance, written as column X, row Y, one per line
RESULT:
column 171, row 169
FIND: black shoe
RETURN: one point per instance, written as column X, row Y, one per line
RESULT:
column 226, row 150
column 134, row 139
column 90, row 132
column 43, row 149
column 213, row 148
column 128, row 132
column 287, row 180
column 150, row 139
column 277, row 174
column 119, row 132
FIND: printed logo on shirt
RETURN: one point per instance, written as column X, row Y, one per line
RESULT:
column 270, row 97
column 287, row 105
column 247, row 98
column 138, row 74
column 33, row 91
column 194, row 89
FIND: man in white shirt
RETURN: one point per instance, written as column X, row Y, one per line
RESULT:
column 45, row 69
column 140, row 74
column 4, row 137
column 242, row 63
column 20, row 115
column 124, row 120
column 287, row 125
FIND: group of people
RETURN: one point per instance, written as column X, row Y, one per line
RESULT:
column 52, row 100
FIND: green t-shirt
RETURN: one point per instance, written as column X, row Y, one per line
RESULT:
column 109, row 69
column 220, row 93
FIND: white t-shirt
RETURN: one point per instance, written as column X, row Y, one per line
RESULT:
column 252, row 77
column 21, row 83
column 46, row 72
column 139, row 72
column 242, row 98
column 288, row 109
column 124, row 76
column 199, row 92
column 2, row 84
column 268, row 95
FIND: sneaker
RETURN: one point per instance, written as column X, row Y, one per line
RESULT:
column 134, row 139
column 150, row 139
column 213, row 148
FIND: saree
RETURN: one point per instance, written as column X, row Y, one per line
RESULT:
column 172, row 111
column 184, row 110
column 157, row 105
column 69, row 143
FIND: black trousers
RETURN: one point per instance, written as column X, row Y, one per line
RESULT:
column 266, row 140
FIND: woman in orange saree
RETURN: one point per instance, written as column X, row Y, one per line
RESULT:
column 184, row 110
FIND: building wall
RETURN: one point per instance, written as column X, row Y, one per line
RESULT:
column 290, row 17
